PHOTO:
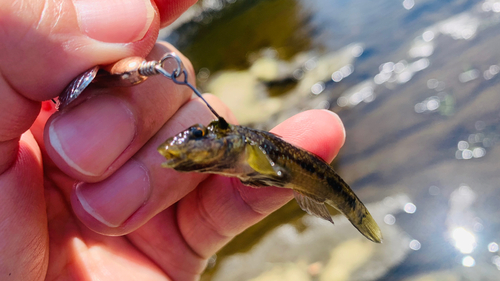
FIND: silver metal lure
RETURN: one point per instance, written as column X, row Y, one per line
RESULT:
column 128, row 72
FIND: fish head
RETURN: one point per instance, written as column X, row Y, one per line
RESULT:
column 199, row 148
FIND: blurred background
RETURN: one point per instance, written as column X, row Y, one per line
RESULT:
column 417, row 85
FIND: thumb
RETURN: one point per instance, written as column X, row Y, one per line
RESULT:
column 44, row 44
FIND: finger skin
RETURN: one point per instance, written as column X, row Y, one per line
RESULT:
column 148, row 105
column 23, row 224
column 166, row 185
column 54, row 49
column 43, row 49
column 171, row 9
column 17, row 113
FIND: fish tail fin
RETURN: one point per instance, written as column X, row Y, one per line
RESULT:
column 342, row 198
column 359, row 216
column 351, row 207
column 334, row 191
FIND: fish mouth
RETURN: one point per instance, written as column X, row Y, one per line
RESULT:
column 172, row 157
column 170, row 163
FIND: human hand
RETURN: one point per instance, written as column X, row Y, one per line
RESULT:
column 98, row 160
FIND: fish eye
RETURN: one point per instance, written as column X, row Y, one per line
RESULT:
column 197, row 132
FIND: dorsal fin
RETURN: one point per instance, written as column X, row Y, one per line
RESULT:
column 276, row 135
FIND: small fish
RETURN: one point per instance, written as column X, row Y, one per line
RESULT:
column 259, row 158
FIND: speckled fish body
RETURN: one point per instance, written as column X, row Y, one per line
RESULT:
column 260, row 158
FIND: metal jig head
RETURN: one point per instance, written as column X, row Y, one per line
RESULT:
column 128, row 72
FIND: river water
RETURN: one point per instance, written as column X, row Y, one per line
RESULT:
column 417, row 85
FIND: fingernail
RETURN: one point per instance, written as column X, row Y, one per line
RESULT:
column 115, row 199
column 114, row 21
column 92, row 135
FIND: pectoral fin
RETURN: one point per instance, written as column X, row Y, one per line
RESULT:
column 312, row 207
column 260, row 162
